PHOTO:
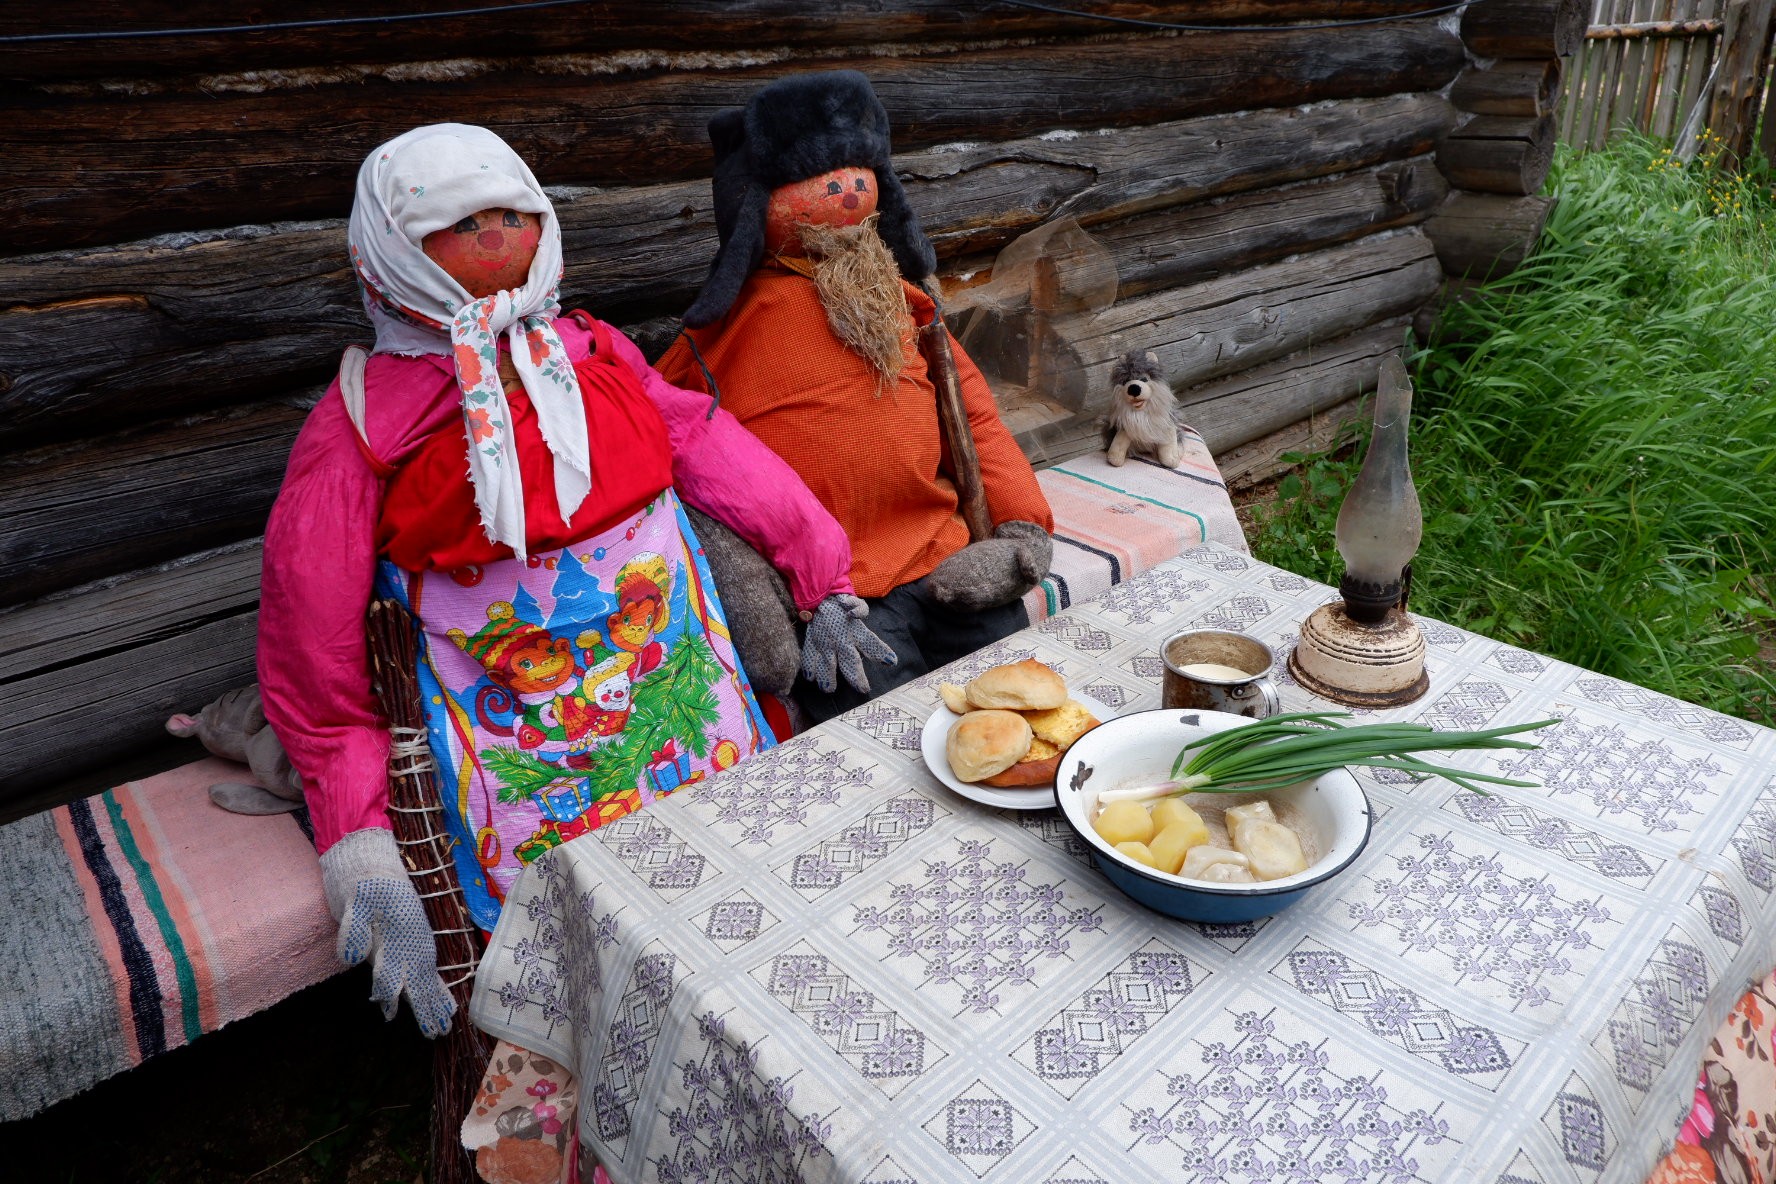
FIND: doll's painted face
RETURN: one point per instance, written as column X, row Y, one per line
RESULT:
column 842, row 197
column 487, row 252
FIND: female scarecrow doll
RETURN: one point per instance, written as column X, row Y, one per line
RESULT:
column 513, row 478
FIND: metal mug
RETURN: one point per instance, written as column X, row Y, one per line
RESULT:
column 1252, row 694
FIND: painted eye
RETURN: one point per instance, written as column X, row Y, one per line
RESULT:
column 467, row 225
column 513, row 220
column 833, row 187
column 861, row 186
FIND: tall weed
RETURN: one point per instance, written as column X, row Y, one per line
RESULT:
column 1594, row 439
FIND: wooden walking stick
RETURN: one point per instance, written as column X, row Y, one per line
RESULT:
column 952, row 417
column 417, row 812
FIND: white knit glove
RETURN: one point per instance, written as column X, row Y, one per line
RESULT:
column 381, row 918
column 836, row 643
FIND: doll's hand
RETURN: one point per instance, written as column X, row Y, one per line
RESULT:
column 993, row 571
column 381, row 918
column 838, row 641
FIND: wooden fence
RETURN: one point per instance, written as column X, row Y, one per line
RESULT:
column 1671, row 68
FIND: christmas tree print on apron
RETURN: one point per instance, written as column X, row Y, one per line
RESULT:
column 566, row 690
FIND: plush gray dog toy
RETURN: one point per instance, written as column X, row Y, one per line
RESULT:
column 1141, row 410
column 234, row 728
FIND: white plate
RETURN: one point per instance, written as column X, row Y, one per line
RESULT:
column 933, row 743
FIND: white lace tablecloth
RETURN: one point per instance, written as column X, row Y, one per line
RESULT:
column 824, row 966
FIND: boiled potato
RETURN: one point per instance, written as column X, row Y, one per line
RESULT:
column 1258, row 811
column 1271, row 849
column 1124, row 822
column 1216, row 864
column 1170, row 812
column 1170, row 844
column 1140, row 854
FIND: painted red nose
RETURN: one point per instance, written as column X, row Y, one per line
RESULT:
column 850, row 202
column 492, row 240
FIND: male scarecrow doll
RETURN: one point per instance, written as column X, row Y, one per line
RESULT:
column 513, row 478
column 808, row 323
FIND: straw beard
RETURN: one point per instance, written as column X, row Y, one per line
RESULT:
column 860, row 290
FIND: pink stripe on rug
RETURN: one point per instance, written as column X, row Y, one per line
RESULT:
column 253, row 885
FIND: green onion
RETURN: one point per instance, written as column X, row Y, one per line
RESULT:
column 1299, row 746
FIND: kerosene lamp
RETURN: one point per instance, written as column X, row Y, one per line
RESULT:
column 1364, row 650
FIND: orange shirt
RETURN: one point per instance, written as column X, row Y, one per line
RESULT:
column 873, row 460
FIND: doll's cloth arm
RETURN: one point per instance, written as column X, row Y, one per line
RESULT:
column 314, row 676
column 729, row 474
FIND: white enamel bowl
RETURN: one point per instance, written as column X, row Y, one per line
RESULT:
column 1139, row 749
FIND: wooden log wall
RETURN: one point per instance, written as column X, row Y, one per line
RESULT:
column 174, row 290
column 1499, row 153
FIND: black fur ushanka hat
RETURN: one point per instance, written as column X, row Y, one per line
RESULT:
column 793, row 129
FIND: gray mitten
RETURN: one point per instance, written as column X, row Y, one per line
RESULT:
column 381, row 918
column 993, row 571
column 234, row 728
column 838, row 641
column 760, row 612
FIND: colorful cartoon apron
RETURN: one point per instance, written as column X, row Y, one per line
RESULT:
column 566, row 690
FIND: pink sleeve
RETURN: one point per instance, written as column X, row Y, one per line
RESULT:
column 320, row 561
column 728, row 473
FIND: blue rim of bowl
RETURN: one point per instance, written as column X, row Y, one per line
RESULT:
column 1204, row 885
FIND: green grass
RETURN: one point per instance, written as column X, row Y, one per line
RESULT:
column 1594, row 439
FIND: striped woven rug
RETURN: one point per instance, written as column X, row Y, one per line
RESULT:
column 141, row 918
column 1112, row 523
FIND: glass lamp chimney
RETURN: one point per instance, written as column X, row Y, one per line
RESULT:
column 1380, row 525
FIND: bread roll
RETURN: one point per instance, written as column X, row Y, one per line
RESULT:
column 983, row 743
column 954, row 697
column 1020, row 686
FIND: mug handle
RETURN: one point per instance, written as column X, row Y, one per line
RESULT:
column 1271, row 703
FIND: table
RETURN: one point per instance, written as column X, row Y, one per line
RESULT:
column 822, row 965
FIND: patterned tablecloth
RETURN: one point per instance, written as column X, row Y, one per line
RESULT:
column 824, row 966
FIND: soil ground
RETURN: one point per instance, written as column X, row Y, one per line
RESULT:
column 316, row 1090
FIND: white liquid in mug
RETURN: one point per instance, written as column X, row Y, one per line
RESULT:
column 1216, row 671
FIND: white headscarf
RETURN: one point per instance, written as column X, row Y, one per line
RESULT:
column 425, row 180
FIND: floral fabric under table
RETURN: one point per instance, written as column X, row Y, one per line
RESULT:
column 824, row 966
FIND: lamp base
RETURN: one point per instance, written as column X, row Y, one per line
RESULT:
column 1357, row 664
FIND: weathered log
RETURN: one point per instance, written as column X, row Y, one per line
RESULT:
column 1252, row 464
column 1191, row 243
column 129, row 611
column 1269, row 398
column 1524, row 28
column 69, row 515
column 1483, row 236
column 94, row 170
column 613, row 25
column 1653, row 30
column 1526, row 88
column 1227, row 325
column 1499, row 154
column 189, row 321
column 93, row 710
column 173, row 634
